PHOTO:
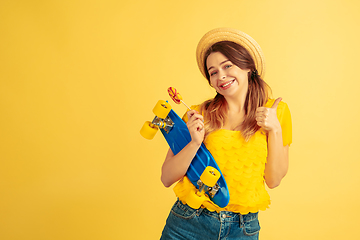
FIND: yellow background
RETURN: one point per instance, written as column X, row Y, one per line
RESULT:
column 79, row 78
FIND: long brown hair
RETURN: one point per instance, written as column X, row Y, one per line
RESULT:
column 215, row 110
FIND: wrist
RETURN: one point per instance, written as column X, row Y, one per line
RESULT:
column 194, row 144
column 275, row 131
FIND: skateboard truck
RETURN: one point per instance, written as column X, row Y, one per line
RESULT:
column 211, row 190
column 161, row 120
column 167, row 124
column 207, row 183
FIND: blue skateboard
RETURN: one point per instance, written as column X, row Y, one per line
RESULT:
column 203, row 171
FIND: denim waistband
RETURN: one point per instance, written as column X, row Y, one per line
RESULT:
column 230, row 216
column 226, row 216
column 203, row 224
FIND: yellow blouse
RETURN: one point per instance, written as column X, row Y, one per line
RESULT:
column 242, row 164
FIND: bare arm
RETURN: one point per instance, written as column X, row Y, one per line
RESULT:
column 175, row 166
column 278, row 159
column 278, row 155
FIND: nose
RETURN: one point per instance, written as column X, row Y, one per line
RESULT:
column 222, row 75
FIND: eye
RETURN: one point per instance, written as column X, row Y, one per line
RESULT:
column 228, row 66
column 213, row 73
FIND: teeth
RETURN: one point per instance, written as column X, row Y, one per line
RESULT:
column 227, row 84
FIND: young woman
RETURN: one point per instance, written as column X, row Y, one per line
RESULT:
column 247, row 133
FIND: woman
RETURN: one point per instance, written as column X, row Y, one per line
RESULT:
column 247, row 133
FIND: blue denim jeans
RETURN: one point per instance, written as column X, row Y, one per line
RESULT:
column 187, row 223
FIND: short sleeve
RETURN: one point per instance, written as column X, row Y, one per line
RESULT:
column 284, row 116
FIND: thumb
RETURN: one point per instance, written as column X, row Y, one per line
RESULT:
column 276, row 103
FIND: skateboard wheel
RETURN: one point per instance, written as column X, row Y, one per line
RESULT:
column 210, row 176
column 148, row 130
column 162, row 109
column 194, row 200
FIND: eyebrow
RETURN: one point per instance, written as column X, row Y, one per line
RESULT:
column 220, row 64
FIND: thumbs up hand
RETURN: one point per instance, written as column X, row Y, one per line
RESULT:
column 267, row 119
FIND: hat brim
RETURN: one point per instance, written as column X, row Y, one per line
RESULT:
column 233, row 35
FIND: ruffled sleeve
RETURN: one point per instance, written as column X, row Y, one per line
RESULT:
column 284, row 116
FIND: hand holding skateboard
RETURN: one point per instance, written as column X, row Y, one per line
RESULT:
column 203, row 172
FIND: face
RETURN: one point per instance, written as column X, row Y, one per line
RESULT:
column 227, row 78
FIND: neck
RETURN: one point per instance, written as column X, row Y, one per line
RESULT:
column 235, row 113
column 236, row 104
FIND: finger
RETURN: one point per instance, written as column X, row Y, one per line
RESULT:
column 276, row 103
column 191, row 117
column 193, row 113
column 260, row 109
column 195, row 124
column 190, row 113
column 197, row 127
column 262, row 115
column 196, row 117
column 260, row 118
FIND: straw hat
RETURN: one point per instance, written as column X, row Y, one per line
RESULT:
column 233, row 35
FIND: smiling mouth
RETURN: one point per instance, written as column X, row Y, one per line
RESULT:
column 228, row 84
